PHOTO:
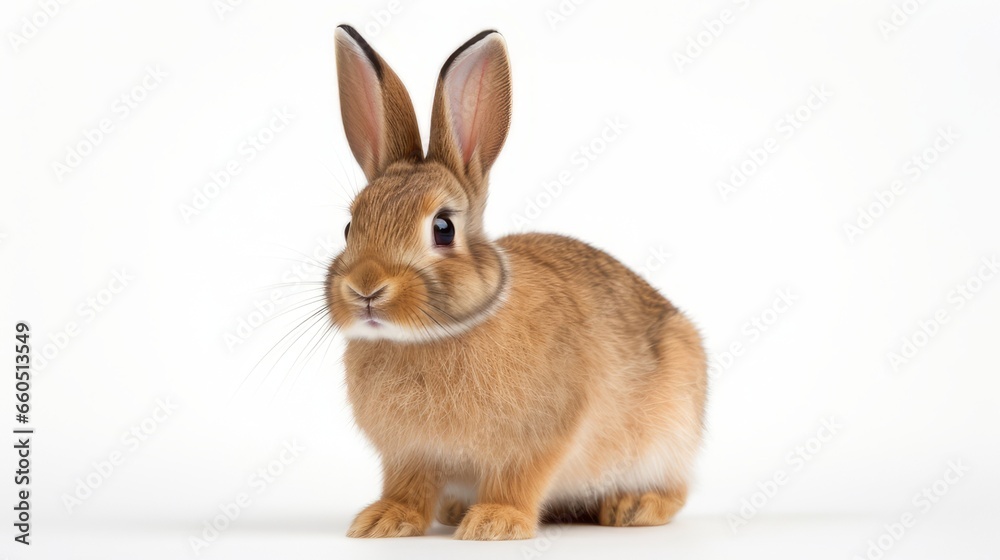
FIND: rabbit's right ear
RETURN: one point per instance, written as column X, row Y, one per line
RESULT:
column 472, row 107
column 378, row 115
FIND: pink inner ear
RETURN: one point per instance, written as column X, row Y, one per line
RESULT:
column 465, row 85
column 372, row 121
column 363, row 109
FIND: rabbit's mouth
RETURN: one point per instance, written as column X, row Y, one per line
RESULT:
column 370, row 319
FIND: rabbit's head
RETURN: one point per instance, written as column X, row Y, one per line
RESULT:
column 417, row 265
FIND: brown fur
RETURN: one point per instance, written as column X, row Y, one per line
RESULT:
column 527, row 377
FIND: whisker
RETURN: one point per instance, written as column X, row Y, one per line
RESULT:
column 317, row 300
column 294, row 250
column 266, row 354
column 308, row 343
column 318, row 317
column 307, row 283
column 446, row 329
column 350, row 196
column 291, row 370
column 330, row 332
column 310, row 262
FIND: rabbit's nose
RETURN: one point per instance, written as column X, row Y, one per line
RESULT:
column 371, row 295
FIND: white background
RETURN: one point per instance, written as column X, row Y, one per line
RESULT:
column 653, row 190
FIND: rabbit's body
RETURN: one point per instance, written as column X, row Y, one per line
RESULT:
column 505, row 380
column 605, row 413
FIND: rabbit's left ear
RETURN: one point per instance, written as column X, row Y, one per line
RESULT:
column 472, row 107
column 376, row 109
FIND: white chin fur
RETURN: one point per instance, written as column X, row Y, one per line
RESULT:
column 361, row 330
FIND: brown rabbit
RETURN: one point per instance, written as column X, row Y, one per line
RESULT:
column 501, row 381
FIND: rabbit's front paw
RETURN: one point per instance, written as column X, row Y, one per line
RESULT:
column 495, row 522
column 385, row 518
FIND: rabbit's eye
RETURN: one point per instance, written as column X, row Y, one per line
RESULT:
column 444, row 231
column 347, row 229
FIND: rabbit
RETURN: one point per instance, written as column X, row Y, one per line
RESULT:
column 503, row 382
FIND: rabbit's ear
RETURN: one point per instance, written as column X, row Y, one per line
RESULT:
column 377, row 112
column 472, row 109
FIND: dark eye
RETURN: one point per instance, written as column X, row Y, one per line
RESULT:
column 347, row 229
column 444, row 231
